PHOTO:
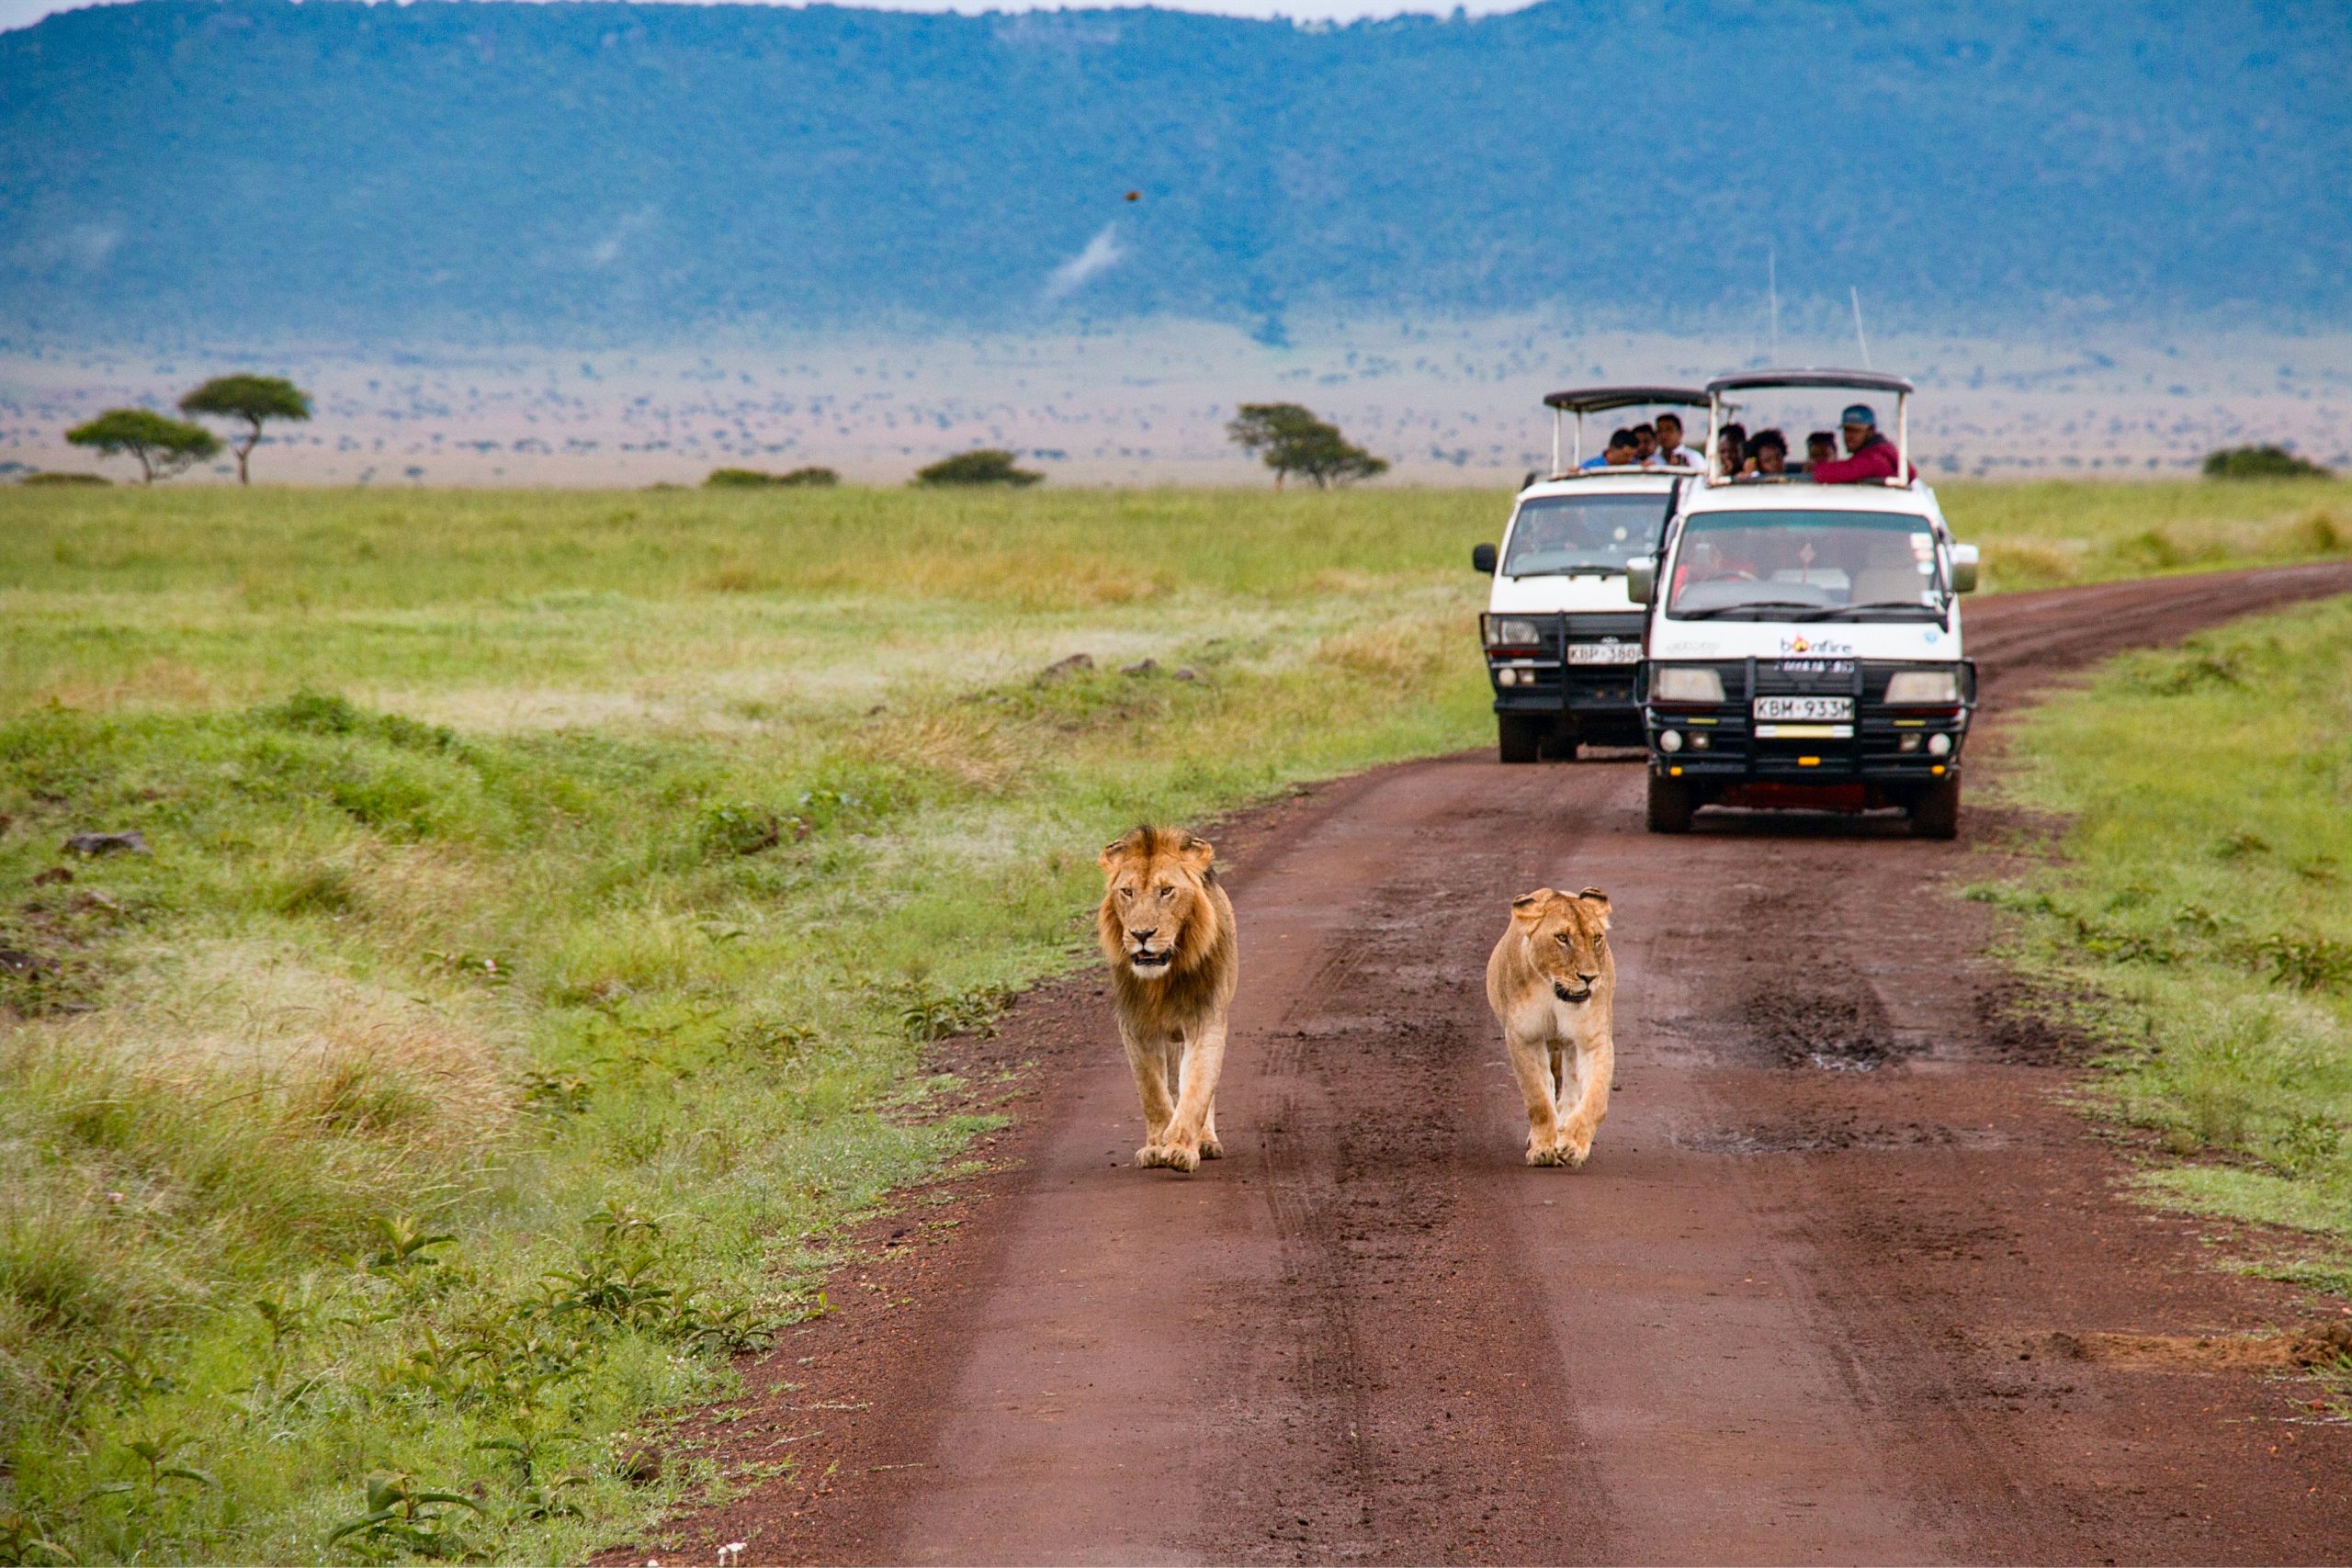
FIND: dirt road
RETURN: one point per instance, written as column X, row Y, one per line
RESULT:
column 1832, row 1286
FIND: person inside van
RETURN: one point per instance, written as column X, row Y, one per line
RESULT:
column 1670, row 450
column 1731, row 449
column 1819, row 448
column 1620, row 453
column 1646, row 443
column 1869, row 457
column 1768, row 454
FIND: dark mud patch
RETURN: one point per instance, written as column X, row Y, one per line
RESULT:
column 1839, row 1030
column 2302, row 1348
column 2017, row 1029
column 1846, row 1137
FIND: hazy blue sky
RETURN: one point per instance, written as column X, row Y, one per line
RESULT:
column 23, row 13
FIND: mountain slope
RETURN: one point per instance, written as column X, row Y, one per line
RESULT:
column 608, row 169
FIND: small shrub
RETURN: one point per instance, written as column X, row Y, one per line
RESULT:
column 404, row 1519
column 65, row 480
column 2266, row 461
column 2305, row 962
column 733, row 828
column 760, row 478
column 989, row 465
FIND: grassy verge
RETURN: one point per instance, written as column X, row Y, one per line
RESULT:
column 2203, row 908
column 2047, row 534
column 546, row 899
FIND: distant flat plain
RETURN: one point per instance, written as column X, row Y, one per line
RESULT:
column 1447, row 402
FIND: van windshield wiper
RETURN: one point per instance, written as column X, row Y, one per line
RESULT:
column 1830, row 611
column 1711, row 611
column 1573, row 572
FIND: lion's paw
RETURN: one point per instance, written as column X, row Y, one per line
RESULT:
column 1211, row 1148
column 1177, row 1157
column 1152, row 1154
column 1542, row 1154
column 1573, row 1156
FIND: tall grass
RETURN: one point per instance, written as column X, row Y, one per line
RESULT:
column 2204, row 903
column 549, row 897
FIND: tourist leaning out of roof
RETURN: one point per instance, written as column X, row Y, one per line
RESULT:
column 1768, row 454
column 1620, row 453
column 1670, row 450
column 1731, row 448
column 1869, row 456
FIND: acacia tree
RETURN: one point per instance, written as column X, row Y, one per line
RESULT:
column 1293, row 441
column 252, row 399
column 162, row 445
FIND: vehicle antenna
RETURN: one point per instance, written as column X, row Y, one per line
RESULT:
column 1855, row 295
column 1772, row 294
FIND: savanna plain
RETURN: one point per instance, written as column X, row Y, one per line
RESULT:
column 544, row 901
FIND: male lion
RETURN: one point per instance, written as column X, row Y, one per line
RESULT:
column 1551, row 983
column 1167, row 928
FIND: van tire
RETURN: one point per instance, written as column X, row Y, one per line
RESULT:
column 1521, row 738
column 1934, row 810
column 1670, row 805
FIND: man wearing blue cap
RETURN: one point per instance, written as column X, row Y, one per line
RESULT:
column 1869, row 457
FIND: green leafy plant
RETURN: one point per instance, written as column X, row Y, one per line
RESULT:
column 24, row 1541
column 404, row 1519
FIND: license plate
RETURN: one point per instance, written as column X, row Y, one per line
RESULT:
column 1817, row 709
column 1604, row 653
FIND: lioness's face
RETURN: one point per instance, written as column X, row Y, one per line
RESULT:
column 1567, row 938
column 1153, row 885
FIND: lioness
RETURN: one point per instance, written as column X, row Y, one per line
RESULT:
column 1551, row 982
column 1167, row 928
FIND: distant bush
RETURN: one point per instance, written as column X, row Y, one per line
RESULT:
column 65, row 480
column 760, row 478
column 2263, row 462
column 989, row 465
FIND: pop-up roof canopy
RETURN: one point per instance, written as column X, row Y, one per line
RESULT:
column 1600, row 400
column 1859, row 380
column 1718, row 401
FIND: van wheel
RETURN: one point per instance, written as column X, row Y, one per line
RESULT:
column 1934, row 810
column 1522, row 737
column 1670, row 805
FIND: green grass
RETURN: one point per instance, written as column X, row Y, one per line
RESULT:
column 2203, row 908
column 2049, row 533
column 550, row 896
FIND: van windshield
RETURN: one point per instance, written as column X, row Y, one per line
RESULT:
column 1558, row 535
column 1805, row 565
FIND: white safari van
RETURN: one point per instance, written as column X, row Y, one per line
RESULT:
column 1804, row 640
column 1563, row 640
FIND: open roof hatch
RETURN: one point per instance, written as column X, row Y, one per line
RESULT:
column 1583, row 400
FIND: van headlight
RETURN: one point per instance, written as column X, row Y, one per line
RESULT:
column 1686, row 683
column 1503, row 633
column 1925, row 686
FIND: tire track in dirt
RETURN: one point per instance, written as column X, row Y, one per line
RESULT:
column 1790, row 1311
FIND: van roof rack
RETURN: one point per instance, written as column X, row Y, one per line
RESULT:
column 1583, row 400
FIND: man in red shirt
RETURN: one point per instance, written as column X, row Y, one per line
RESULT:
column 1869, row 457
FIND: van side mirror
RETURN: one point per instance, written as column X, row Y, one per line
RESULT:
column 1963, row 569
column 1641, row 579
column 1482, row 559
